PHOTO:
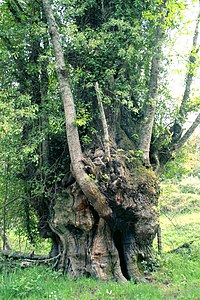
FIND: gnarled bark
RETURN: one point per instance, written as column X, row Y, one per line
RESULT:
column 114, row 248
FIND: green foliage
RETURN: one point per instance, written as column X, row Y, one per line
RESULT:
column 170, row 12
column 186, row 162
column 176, row 167
column 113, row 49
column 13, row 117
column 179, row 202
column 24, row 284
column 31, row 115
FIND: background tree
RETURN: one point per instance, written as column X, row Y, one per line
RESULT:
column 100, row 213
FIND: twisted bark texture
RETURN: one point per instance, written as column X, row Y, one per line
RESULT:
column 113, row 248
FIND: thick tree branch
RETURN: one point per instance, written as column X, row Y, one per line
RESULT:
column 88, row 186
column 169, row 152
column 191, row 70
column 177, row 141
column 176, row 129
column 104, row 123
column 188, row 133
column 147, row 125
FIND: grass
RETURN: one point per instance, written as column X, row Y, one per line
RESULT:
column 176, row 279
column 50, row 287
column 179, row 229
column 178, row 276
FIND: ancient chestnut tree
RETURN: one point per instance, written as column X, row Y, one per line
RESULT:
column 108, row 217
column 95, row 189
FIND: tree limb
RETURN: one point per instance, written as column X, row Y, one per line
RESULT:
column 104, row 123
column 188, row 133
column 147, row 125
column 191, row 68
column 88, row 186
column 177, row 139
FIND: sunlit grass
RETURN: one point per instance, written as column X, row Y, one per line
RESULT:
column 178, row 276
column 180, row 229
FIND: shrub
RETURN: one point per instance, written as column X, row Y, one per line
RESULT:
column 190, row 185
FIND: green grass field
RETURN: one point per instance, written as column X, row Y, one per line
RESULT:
column 178, row 275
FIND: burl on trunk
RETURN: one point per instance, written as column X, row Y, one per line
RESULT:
column 112, row 247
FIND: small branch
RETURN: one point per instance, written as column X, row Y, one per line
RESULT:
column 170, row 219
column 13, row 200
column 104, row 122
column 183, row 246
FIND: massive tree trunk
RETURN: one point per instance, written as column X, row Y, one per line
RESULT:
column 108, row 248
column 104, row 222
